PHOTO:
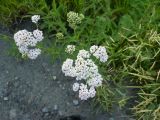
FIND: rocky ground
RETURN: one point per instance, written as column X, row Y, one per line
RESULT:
column 37, row 90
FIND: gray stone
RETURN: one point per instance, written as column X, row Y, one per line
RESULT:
column 45, row 77
column 111, row 118
column 60, row 86
column 75, row 102
column 7, row 71
column 68, row 103
column 16, row 84
column 16, row 78
column 58, row 82
column 60, row 113
column 48, row 70
column 46, row 114
column 55, row 107
column 54, row 77
column 5, row 98
column 45, row 110
column 63, row 88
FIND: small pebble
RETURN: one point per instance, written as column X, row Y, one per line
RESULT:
column 16, row 84
column 60, row 86
column 46, row 114
column 75, row 102
column 16, row 78
column 63, row 88
column 68, row 103
column 45, row 110
column 7, row 72
column 58, row 82
column 54, row 77
column 60, row 113
column 55, row 107
column 111, row 118
column 48, row 70
column 5, row 98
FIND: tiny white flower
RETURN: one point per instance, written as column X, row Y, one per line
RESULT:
column 93, row 49
column 83, row 92
column 35, row 18
column 23, row 50
column 92, row 92
column 33, row 53
column 70, row 49
column 67, row 68
column 38, row 34
column 83, row 54
column 100, row 54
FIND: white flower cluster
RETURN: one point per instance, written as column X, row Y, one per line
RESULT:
column 70, row 49
column 35, row 18
column 83, row 54
column 26, row 40
column 74, row 19
column 99, row 52
column 83, row 68
column 33, row 53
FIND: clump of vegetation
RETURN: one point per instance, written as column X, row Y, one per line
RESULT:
column 14, row 11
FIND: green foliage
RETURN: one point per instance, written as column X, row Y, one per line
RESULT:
column 13, row 11
column 13, row 50
column 148, row 108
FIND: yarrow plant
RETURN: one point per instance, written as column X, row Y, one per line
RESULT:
column 99, row 52
column 85, row 71
column 70, row 49
column 26, row 41
column 35, row 18
column 74, row 19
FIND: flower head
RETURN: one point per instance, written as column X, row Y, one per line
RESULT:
column 26, row 40
column 83, row 69
column 83, row 92
column 92, row 92
column 35, row 18
column 33, row 53
column 70, row 49
column 74, row 19
column 99, row 52
column 68, row 69
column 83, row 54
column 93, row 49
column 38, row 34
